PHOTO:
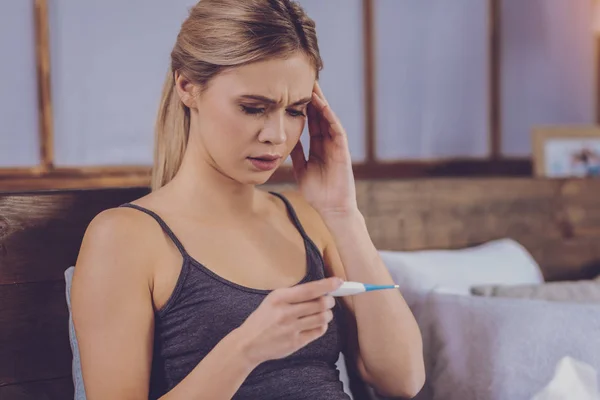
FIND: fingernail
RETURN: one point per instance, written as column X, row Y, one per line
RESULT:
column 339, row 281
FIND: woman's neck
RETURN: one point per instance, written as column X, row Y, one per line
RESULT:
column 204, row 191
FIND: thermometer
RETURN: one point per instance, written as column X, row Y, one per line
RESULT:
column 352, row 288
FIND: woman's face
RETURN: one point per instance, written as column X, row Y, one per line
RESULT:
column 250, row 118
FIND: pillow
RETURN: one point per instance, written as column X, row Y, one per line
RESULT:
column 575, row 291
column 497, row 349
column 76, row 363
column 454, row 271
column 341, row 366
column 502, row 261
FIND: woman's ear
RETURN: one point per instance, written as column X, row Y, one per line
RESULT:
column 186, row 90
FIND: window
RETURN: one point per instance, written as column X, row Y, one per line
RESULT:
column 424, row 88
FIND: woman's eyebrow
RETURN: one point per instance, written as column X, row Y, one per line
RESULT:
column 268, row 100
column 303, row 101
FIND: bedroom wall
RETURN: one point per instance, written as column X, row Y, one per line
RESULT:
column 428, row 100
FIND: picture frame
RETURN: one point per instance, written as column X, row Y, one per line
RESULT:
column 566, row 151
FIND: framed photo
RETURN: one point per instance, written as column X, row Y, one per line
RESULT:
column 566, row 151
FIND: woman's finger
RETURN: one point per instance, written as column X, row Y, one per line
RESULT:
column 329, row 120
column 316, row 136
column 315, row 306
column 319, row 92
column 307, row 337
column 298, row 160
column 313, row 119
column 315, row 321
column 324, row 124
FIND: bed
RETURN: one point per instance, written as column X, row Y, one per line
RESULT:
column 557, row 221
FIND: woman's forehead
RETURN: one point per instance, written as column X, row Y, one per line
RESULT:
column 279, row 79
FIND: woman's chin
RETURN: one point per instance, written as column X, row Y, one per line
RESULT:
column 256, row 178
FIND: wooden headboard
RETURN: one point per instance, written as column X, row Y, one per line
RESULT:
column 40, row 234
column 558, row 221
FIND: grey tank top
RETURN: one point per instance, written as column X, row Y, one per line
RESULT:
column 205, row 307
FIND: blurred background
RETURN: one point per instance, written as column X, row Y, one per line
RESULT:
column 423, row 87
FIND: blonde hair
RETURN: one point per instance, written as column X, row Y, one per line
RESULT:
column 218, row 35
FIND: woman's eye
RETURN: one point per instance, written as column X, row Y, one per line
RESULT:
column 253, row 110
column 296, row 113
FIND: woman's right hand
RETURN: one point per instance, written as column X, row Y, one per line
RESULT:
column 289, row 319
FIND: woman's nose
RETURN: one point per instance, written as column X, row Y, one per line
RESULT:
column 274, row 130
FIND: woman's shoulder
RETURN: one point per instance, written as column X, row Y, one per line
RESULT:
column 115, row 238
column 299, row 203
column 113, row 278
column 119, row 225
column 309, row 218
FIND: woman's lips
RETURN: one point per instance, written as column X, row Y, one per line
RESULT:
column 264, row 163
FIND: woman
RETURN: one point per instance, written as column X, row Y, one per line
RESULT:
column 226, row 296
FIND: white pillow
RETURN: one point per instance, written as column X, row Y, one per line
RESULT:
column 502, row 261
column 341, row 366
column 419, row 273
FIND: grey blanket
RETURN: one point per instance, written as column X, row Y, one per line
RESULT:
column 480, row 348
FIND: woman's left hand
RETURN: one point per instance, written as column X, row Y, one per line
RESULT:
column 326, row 180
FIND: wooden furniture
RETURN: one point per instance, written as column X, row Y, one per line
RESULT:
column 40, row 234
column 558, row 221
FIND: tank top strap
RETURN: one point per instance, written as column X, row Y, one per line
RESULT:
column 316, row 264
column 293, row 215
column 162, row 224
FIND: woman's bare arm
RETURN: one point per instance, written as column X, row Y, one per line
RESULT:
column 114, row 317
column 386, row 345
